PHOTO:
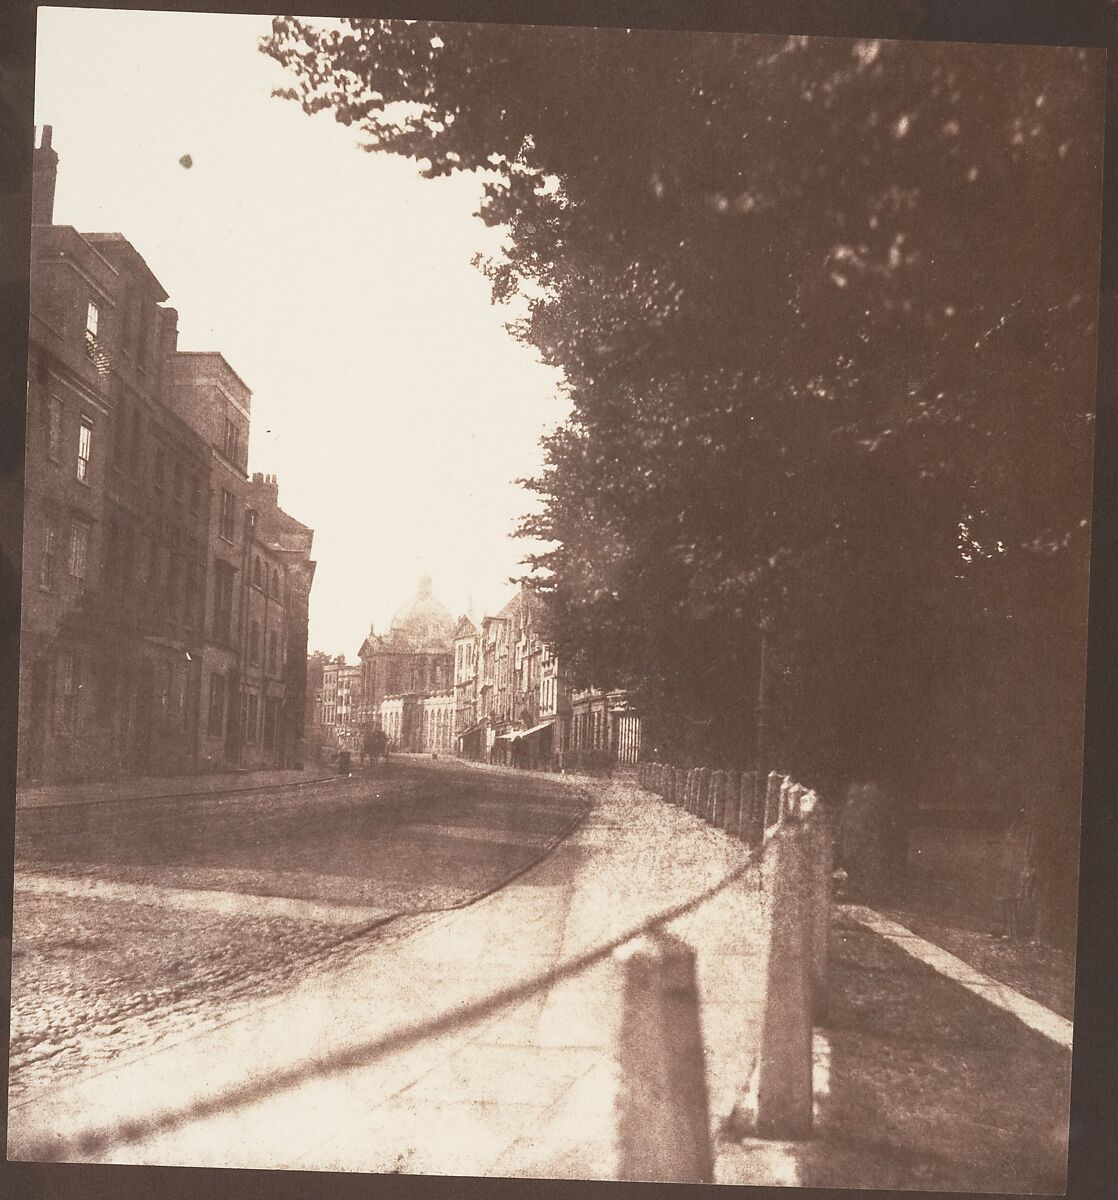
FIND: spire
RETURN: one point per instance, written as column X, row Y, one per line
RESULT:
column 424, row 584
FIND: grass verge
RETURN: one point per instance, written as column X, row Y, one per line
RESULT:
column 931, row 1087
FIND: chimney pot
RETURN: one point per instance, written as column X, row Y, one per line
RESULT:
column 44, row 176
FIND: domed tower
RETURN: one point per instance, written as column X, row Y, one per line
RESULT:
column 415, row 658
column 424, row 623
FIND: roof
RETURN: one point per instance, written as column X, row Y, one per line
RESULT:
column 118, row 242
column 214, row 354
column 424, row 622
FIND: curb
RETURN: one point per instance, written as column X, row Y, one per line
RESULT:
column 261, row 787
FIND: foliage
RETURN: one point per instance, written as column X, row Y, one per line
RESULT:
column 825, row 312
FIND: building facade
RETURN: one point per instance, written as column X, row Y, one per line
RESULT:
column 137, row 536
column 491, row 690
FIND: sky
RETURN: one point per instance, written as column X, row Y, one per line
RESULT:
column 388, row 397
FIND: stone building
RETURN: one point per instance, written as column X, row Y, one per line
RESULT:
column 435, row 723
column 284, row 547
column 468, row 730
column 340, row 702
column 212, row 398
column 603, row 722
column 415, row 657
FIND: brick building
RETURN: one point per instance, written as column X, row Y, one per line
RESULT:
column 130, row 603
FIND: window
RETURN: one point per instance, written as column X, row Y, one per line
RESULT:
column 181, row 710
column 231, row 444
column 46, row 563
column 223, row 601
column 271, row 720
column 79, row 551
column 127, row 555
column 189, row 592
column 252, row 714
column 228, row 514
column 216, row 719
column 85, row 447
column 164, row 692
column 94, row 348
column 69, row 692
column 273, row 651
column 170, row 581
column 153, row 564
column 143, row 318
column 275, row 582
column 256, row 577
column 120, row 434
column 134, row 448
column 254, row 643
column 54, row 427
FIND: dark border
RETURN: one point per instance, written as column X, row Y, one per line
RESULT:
column 1093, row 1165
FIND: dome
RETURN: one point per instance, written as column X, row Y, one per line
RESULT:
column 424, row 623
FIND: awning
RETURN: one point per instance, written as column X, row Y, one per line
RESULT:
column 517, row 734
column 535, row 729
column 472, row 729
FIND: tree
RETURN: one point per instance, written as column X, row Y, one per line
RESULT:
column 825, row 313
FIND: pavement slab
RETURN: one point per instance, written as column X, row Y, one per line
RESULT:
column 400, row 1062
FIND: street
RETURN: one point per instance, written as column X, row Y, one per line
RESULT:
column 139, row 921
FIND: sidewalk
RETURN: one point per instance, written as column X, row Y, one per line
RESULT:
column 526, row 1090
column 401, row 1061
column 51, row 794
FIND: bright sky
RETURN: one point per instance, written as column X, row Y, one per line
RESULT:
column 387, row 396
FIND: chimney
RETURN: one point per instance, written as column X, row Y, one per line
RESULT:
column 266, row 488
column 168, row 332
column 43, row 180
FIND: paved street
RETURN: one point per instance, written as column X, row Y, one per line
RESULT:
column 147, row 918
column 523, row 1089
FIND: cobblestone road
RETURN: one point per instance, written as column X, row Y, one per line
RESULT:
column 142, row 921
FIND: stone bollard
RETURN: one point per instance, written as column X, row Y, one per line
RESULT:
column 772, row 798
column 791, row 796
column 702, row 793
column 757, row 811
column 820, row 864
column 718, row 799
column 747, row 806
column 662, row 1115
column 779, row 1103
column 731, row 815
